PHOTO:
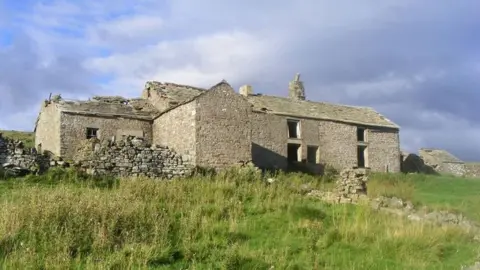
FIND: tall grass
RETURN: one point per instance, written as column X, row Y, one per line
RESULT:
column 233, row 220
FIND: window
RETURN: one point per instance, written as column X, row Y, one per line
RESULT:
column 312, row 154
column 362, row 156
column 360, row 134
column 293, row 129
column 294, row 153
column 92, row 133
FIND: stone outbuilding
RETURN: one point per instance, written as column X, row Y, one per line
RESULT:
column 442, row 161
column 219, row 127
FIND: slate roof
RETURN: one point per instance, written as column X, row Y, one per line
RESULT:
column 110, row 106
column 438, row 155
column 178, row 94
column 181, row 94
column 319, row 110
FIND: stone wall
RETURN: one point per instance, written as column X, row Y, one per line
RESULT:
column 132, row 158
column 74, row 126
column 176, row 128
column 472, row 169
column 269, row 149
column 350, row 187
column 383, row 150
column 47, row 128
column 223, row 129
column 452, row 168
column 124, row 158
column 14, row 156
column 338, row 144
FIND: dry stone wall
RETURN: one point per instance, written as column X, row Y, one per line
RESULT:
column 131, row 158
column 472, row 169
column 17, row 159
column 125, row 158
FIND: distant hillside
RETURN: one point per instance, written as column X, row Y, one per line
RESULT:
column 28, row 138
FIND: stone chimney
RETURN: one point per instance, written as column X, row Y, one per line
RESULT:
column 295, row 88
column 246, row 90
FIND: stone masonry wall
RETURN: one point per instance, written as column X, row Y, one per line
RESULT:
column 176, row 129
column 269, row 149
column 383, row 150
column 223, row 130
column 73, row 129
column 134, row 158
column 338, row 144
column 47, row 130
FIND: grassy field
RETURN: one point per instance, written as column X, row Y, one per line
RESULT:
column 455, row 194
column 230, row 221
column 28, row 138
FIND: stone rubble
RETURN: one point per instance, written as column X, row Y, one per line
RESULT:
column 16, row 160
column 350, row 187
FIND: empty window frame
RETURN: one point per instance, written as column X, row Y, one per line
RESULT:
column 312, row 154
column 360, row 134
column 92, row 133
column 294, row 153
column 362, row 161
column 293, row 129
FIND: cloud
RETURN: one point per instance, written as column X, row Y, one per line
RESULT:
column 417, row 62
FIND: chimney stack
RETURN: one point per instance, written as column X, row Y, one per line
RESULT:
column 246, row 90
column 296, row 90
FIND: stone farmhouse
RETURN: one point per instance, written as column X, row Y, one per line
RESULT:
column 219, row 127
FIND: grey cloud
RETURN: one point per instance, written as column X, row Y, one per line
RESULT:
column 27, row 78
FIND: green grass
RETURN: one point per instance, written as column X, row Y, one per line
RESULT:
column 64, row 220
column 28, row 138
column 455, row 194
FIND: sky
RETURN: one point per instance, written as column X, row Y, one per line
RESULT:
column 416, row 62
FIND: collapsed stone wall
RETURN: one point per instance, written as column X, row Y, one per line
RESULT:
column 131, row 157
column 20, row 160
column 351, row 188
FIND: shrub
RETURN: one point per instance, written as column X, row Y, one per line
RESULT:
column 330, row 174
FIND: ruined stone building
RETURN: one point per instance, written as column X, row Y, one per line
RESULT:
column 218, row 127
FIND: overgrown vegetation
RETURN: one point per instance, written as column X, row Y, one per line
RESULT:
column 230, row 220
column 28, row 138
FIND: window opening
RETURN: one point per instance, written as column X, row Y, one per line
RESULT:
column 293, row 129
column 312, row 154
column 92, row 133
column 293, row 152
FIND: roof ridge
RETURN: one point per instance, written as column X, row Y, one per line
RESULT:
column 320, row 102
